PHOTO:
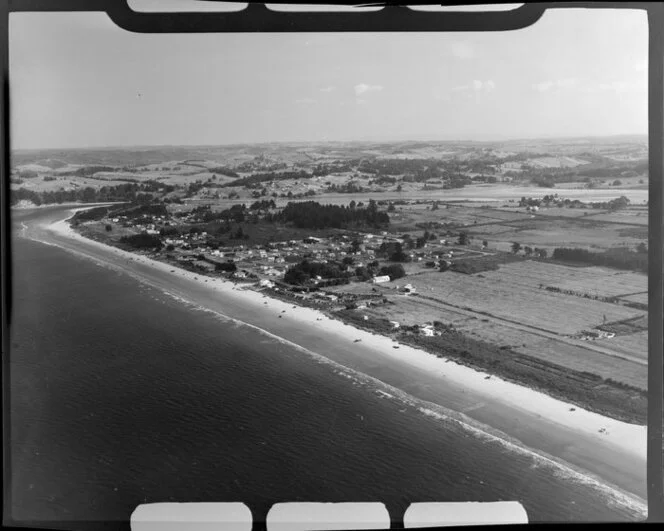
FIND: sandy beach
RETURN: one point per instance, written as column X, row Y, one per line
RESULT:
column 582, row 445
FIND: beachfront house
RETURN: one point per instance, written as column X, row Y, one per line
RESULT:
column 380, row 279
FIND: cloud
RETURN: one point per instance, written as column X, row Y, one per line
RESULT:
column 545, row 86
column 306, row 101
column 363, row 88
column 328, row 89
column 566, row 83
column 641, row 65
column 477, row 86
column 462, row 50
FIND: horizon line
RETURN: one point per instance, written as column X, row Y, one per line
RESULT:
column 313, row 142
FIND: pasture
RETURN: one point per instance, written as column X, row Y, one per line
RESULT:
column 528, row 305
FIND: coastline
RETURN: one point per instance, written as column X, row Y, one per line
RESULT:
column 523, row 407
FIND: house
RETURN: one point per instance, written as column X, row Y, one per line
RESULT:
column 266, row 283
column 408, row 288
column 395, row 324
column 380, row 279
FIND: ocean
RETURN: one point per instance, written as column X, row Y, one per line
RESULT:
column 122, row 395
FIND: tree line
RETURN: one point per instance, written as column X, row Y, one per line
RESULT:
column 313, row 215
column 616, row 258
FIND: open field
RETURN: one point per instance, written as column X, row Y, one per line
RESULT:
column 541, row 232
column 553, row 312
column 592, row 280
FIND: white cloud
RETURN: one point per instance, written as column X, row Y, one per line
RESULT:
column 306, row 101
column 477, row 86
column 462, row 50
column 566, row 83
column 328, row 89
column 543, row 86
column 363, row 88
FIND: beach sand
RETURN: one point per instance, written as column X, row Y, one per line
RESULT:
column 597, row 449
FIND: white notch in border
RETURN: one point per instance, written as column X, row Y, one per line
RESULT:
column 233, row 516
column 312, row 516
column 438, row 514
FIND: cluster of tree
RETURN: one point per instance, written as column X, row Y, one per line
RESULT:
column 394, row 271
column 260, row 162
column 86, row 171
column 619, row 258
column 457, row 181
column 142, row 241
column 323, row 169
column 349, row 187
column 263, row 205
column 313, row 215
column 93, row 214
column 223, row 170
column 614, row 204
column 393, row 251
column 256, row 180
column 228, row 266
column 544, row 181
column 120, row 192
column 305, row 271
column 384, row 180
column 529, row 251
column 140, row 210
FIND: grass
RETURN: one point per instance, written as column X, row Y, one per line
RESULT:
column 582, row 388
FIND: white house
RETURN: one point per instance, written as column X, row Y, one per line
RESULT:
column 380, row 279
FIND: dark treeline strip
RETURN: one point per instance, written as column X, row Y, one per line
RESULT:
column 122, row 192
column 142, row 241
column 617, row 258
column 255, row 180
column 312, row 215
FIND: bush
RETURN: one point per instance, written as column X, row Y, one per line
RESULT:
column 142, row 241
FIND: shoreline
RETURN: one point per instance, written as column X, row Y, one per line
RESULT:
column 523, row 403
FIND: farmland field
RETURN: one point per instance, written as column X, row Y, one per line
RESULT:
column 641, row 298
column 632, row 344
column 560, row 314
column 587, row 360
column 593, row 280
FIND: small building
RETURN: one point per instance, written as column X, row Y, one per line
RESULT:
column 266, row 283
column 380, row 279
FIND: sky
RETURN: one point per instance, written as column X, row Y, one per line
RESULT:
column 77, row 80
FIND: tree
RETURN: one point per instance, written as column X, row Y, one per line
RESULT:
column 109, row 228
column 642, row 248
column 399, row 188
column 347, row 260
column 394, row 271
column 352, row 205
column 485, row 243
column 617, row 182
column 463, row 238
column 528, row 250
column 516, row 247
column 444, row 266
column 170, row 247
column 543, row 253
